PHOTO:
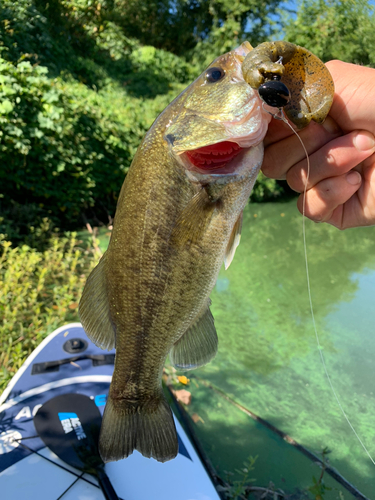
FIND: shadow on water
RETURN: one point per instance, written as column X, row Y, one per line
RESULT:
column 268, row 359
column 224, row 427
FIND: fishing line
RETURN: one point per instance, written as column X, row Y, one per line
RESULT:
column 280, row 116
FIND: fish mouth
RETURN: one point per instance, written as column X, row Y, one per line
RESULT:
column 231, row 150
column 224, row 145
column 221, row 162
column 214, row 159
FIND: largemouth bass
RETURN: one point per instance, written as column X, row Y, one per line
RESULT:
column 178, row 219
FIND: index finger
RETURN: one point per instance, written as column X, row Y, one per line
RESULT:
column 277, row 130
column 280, row 156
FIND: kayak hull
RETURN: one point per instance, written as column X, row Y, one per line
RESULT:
column 28, row 469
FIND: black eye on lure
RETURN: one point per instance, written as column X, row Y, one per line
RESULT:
column 274, row 93
column 214, row 74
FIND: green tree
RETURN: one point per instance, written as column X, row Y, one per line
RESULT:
column 201, row 29
column 234, row 21
column 335, row 29
column 75, row 102
column 81, row 81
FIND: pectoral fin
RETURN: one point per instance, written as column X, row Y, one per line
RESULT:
column 94, row 309
column 233, row 242
column 198, row 345
column 193, row 220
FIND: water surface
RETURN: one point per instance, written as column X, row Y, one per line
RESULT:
column 268, row 358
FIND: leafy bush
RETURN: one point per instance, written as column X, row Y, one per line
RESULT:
column 26, row 224
column 79, row 38
column 77, row 94
column 66, row 142
column 63, row 146
column 199, row 30
column 266, row 189
column 335, row 29
column 39, row 291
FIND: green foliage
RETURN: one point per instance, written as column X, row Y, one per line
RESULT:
column 236, row 488
column 39, row 291
column 163, row 24
column 26, row 224
column 63, row 146
column 335, row 29
column 66, row 143
column 266, row 189
column 192, row 28
column 233, row 21
column 81, row 81
column 319, row 488
column 155, row 71
column 83, row 39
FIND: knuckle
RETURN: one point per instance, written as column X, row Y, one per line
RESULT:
column 316, row 215
column 296, row 178
column 315, row 208
column 270, row 171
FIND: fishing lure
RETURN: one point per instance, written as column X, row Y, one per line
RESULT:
column 291, row 75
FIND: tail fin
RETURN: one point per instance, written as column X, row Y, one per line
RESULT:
column 126, row 428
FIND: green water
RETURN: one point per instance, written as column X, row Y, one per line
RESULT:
column 268, row 359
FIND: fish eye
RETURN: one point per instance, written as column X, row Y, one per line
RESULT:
column 214, row 74
column 274, row 93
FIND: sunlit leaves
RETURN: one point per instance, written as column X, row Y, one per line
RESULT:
column 39, row 291
column 82, row 81
column 335, row 29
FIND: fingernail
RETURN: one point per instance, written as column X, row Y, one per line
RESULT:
column 354, row 178
column 364, row 141
column 331, row 126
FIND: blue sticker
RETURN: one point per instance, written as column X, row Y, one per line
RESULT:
column 100, row 399
column 65, row 416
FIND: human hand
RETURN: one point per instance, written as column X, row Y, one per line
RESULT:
column 341, row 184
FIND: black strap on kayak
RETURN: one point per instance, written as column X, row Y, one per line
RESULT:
column 77, row 476
column 70, row 486
column 69, row 426
column 53, row 366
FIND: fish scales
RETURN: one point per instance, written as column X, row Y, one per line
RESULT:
column 149, row 295
column 178, row 219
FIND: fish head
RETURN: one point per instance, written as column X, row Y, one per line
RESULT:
column 218, row 121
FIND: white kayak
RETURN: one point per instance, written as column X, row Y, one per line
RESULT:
column 68, row 362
